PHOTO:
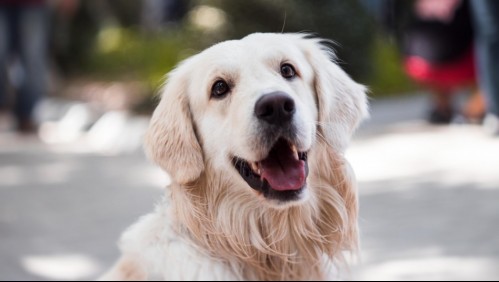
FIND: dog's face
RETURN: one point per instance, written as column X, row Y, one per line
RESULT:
column 256, row 113
column 252, row 110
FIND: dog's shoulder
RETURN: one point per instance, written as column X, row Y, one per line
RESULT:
column 164, row 254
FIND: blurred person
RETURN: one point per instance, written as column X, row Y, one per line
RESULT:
column 438, row 51
column 436, row 40
column 486, row 19
column 24, row 33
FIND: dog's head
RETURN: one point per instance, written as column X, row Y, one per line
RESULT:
column 252, row 110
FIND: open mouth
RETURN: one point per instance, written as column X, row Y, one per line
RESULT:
column 281, row 176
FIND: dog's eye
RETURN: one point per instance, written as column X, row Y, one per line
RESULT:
column 288, row 71
column 220, row 89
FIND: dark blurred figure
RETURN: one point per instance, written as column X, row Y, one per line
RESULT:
column 24, row 27
column 156, row 14
column 436, row 40
column 438, row 49
column 486, row 20
column 25, row 32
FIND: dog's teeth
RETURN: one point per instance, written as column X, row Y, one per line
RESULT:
column 255, row 168
column 295, row 152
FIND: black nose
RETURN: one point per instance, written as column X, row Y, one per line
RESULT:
column 276, row 108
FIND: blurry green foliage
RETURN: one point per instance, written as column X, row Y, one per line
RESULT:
column 108, row 43
column 345, row 22
column 133, row 55
column 387, row 77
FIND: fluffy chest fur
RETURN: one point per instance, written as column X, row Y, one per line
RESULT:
column 199, row 233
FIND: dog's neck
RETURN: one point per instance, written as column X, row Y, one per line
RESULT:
column 265, row 243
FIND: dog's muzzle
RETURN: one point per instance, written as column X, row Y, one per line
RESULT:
column 283, row 173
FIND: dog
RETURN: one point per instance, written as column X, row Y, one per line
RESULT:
column 252, row 133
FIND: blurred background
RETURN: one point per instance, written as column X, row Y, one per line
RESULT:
column 79, row 79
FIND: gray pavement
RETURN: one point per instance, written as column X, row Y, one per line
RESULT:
column 429, row 198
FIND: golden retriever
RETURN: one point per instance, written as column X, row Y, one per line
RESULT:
column 253, row 134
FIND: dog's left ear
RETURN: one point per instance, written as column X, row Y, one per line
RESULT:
column 342, row 103
column 171, row 141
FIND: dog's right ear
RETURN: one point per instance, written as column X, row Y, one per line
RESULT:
column 171, row 141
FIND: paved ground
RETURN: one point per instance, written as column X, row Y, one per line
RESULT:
column 429, row 200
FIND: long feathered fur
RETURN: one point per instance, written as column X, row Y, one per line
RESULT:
column 265, row 243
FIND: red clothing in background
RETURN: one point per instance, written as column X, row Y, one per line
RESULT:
column 448, row 76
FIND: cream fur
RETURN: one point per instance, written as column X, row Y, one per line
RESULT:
column 211, row 225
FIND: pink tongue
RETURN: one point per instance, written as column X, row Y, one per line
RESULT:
column 281, row 170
